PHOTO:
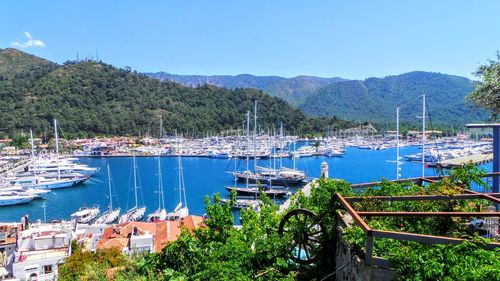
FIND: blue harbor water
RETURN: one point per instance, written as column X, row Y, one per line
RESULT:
column 202, row 176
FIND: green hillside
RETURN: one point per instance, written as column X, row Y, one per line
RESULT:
column 293, row 90
column 90, row 98
column 376, row 99
column 14, row 62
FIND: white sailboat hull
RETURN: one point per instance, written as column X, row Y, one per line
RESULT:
column 134, row 214
column 108, row 217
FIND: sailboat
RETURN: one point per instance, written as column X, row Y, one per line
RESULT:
column 282, row 177
column 255, row 177
column 40, row 182
column 160, row 213
column 136, row 213
column 111, row 214
column 181, row 210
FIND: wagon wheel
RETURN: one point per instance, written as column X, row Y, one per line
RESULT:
column 306, row 231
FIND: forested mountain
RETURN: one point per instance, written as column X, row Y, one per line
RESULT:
column 89, row 97
column 373, row 99
column 294, row 90
column 376, row 99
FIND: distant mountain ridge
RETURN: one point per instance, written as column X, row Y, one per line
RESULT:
column 293, row 90
column 376, row 99
column 372, row 99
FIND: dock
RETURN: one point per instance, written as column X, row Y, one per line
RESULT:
column 460, row 161
column 306, row 189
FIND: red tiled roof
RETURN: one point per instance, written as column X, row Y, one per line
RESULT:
column 163, row 232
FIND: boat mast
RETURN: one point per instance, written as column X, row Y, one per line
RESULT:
column 57, row 150
column 182, row 190
column 248, row 144
column 294, row 155
column 161, row 201
column 273, row 148
column 135, row 180
column 32, row 144
column 109, row 187
column 255, row 137
column 423, row 135
column 281, row 144
column 398, row 168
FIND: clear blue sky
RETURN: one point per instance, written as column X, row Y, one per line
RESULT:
column 351, row 39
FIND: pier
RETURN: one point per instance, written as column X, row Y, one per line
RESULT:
column 307, row 192
column 460, row 161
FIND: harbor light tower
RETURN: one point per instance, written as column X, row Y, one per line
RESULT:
column 324, row 170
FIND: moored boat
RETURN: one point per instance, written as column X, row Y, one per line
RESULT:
column 136, row 213
column 111, row 214
column 8, row 198
column 85, row 214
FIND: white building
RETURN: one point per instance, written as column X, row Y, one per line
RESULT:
column 88, row 235
column 41, row 249
column 8, row 234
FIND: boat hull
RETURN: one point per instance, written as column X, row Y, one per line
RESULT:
column 274, row 181
column 15, row 201
column 254, row 191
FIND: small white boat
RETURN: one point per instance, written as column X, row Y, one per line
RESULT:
column 85, row 215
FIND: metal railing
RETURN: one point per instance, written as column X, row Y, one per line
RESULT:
column 371, row 233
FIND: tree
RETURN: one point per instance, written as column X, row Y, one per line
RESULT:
column 487, row 94
column 20, row 141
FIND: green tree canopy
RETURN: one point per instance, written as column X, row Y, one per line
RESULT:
column 487, row 94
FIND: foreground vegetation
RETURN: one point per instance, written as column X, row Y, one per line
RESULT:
column 257, row 252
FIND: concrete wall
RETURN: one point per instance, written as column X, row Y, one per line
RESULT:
column 352, row 267
column 356, row 269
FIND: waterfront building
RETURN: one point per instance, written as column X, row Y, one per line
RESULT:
column 88, row 235
column 40, row 250
column 8, row 240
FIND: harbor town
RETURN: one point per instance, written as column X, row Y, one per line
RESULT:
column 249, row 141
column 29, row 175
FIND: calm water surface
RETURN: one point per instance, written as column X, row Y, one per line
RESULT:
column 202, row 176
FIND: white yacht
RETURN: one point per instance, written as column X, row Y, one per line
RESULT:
column 63, row 168
column 85, row 215
column 8, row 198
column 38, row 193
column 39, row 182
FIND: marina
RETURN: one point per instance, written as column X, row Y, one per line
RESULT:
column 476, row 159
column 202, row 176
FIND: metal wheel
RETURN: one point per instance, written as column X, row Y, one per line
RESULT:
column 306, row 232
